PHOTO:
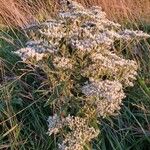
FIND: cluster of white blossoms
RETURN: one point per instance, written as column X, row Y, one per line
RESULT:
column 78, row 131
column 113, row 66
column 62, row 63
column 26, row 53
column 129, row 34
column 79, row 46
column 108, row 96
column 54, row 124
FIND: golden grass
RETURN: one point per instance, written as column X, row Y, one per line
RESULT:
column 120, row 10
column 23, row 12
column 15, row 12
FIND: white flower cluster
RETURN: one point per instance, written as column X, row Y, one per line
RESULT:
column 84, row 29
column 109, row 95
column 36, row 50
column 54, row 124
column 53, row 29
column 82, row 41
column 26, row 53
column 129, row 34
column 78, row 134
column 62, row 63
column 109, row 64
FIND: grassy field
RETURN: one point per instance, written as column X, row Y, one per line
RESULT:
column 23, row 12
column 23, row 114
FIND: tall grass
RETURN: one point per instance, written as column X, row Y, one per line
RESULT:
column 121, row 10
column 25, row 11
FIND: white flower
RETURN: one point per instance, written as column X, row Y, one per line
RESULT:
column 54, row 124
column 129, row 34
column 107, row 63
column 26, row 53
column 109, row 96
column 62, row 62
column 105, row 89
column 79, row 133
column 78, row 136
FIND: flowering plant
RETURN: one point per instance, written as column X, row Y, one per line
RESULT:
column 86, row 76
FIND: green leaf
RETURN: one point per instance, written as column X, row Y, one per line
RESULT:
column 56, row 93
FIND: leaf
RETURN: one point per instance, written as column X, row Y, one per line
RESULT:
column 56, row 93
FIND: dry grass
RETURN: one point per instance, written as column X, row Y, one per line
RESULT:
column 121, row 10
column 15, row 12
column 22, row 12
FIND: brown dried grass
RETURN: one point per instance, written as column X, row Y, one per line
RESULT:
column 23, row 12
column 13, row 12
column 123, row 10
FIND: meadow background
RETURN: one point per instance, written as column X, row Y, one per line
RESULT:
column 22, row 112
